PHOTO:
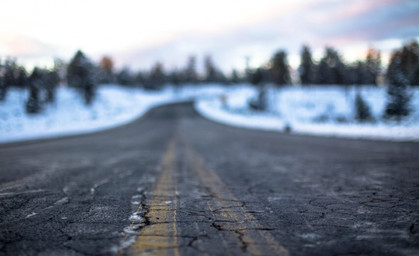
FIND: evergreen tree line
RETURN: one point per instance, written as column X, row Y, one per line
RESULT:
column 331, row 69
column 158, row 76
column 84, row 75
column 402, row 72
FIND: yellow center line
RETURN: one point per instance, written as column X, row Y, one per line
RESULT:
column 233, row 215
column 159, row 237
column 175, row 203
column 222, row 238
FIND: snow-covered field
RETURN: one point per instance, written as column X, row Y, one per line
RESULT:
column 326, row 111
column 114, row 106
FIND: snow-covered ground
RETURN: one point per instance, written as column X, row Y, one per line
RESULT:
column 326, row 111
column 114, row 106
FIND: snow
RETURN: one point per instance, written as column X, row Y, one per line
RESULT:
column 113, row 106
column 315, row 110
column 325, row 111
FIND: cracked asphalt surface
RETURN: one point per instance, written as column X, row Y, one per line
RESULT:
column 174, row 183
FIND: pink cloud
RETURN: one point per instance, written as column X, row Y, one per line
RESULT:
column 22, row 46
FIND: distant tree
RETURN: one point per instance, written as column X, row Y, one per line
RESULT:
column 190, row 74
column 324, row 74
column 372, row 66
column 234, row 78
column 359, row 73
column 33, row 104
column 60, row 66
column 157, row 77
column 415, row 78
column 398, row 96
column 11, row 75
column 80, row 75
column 331, row 69
column 124, row 77
column 51, row 80
column 211, row 72
column 3, row 88
column 141, row 78
column 21, row 79
column 307, row 66
column 106, row 70
column 280, row 69
column 175, row 77
column 258, row 78
column 362, row 110
column 409, row 62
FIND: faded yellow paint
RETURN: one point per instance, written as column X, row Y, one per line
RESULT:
column 234, row 217
column 160, row 237
column 221, row 237
column 175, row 235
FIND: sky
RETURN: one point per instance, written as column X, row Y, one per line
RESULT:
column 138, row 33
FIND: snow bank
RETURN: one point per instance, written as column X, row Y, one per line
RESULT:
column 113, row 106
column 326, row 111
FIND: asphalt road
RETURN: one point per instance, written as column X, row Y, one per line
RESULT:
column 174, row 183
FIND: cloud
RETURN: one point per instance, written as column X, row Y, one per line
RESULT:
column 24, row 47
column 228, row 30
column 339, row 23
column 378, row 22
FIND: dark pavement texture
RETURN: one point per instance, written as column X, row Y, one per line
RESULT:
column 200, row 187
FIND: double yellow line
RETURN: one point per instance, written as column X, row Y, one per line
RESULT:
column 229, row 216
column 160, row 236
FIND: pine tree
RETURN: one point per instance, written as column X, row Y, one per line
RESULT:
column 398, row 96
column 257, row 77
column 409, row 61
column 331, row 69
column 80, row 75
column 51, row 81
column 211, row 72
column 3, row 88
column 407, row 65
column 106, row 70
column 362, row 110
column 260, row 101
column 324, row 73
column 307, row 66
column 175, row 78
column 141, row 78
column 157, row 77
column 21, row 77
column 234, row 78
column 280, row 71
column 361, row 73
column 190, row 74
column 7, row 77
column 33, row 104
column 124, row 77
column 373, row 66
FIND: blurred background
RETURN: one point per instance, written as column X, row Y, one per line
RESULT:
column 343, row 68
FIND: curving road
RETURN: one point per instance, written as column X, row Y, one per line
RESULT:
column 174, row 183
